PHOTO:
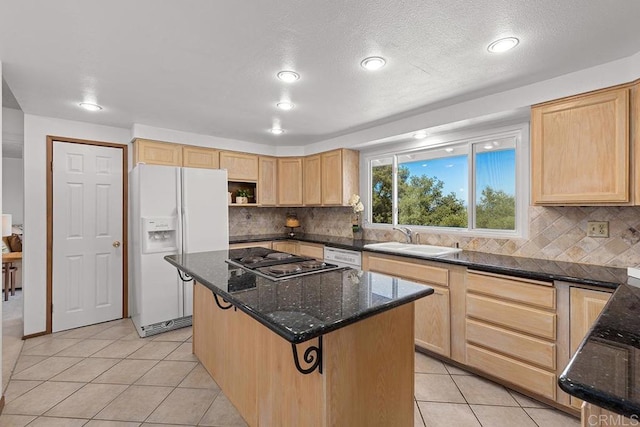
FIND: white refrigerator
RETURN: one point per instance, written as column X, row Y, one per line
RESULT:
column 173, row 210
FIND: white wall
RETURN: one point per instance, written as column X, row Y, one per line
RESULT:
column 1, row 391
column 36, row 129
column 13, row 189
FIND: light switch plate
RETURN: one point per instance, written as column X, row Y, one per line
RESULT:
column 598, row 229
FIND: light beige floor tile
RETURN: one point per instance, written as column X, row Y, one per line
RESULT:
column 183, row 352
column 42, row 398
column 116, row 332
column 48, row 368
column 105, row 423
column 222, row 413
column 88, row 401
column 183, row 406
column 199, row 378
column 57, row 422
column 163, row 425
column 17, row 388
column 154, row 350
column 134, row 404
column 437, row 388
column 456, row 371
column 417, row 417
column 32, row 342
column 428, row 365
column 180, row 335
column 134, row 336
column 502, row 416
column 86, row 370
column 167, row 373
column 552, row 418
column 479, row 391
column 8, row 420
column 25, row 362
column 527, row 402
column 448, row 414
column 190, row 339
column 85, row 348
column 119, row 349
column 50, row 347
column 92, row 330
column 126, row 372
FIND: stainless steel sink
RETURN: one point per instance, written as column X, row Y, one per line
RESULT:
column 426, row 251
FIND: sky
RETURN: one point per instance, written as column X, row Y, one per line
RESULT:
column 493, row 168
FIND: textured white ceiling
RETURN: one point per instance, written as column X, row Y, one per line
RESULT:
column 209, row 66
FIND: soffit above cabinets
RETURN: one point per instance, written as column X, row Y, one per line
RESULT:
column 210, row 67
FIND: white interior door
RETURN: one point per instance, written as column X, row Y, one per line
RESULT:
column 87, row 235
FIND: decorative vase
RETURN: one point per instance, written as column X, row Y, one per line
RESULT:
column 355, row 226
column 242, row 200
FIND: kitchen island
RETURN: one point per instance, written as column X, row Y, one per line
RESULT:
column 326, row 349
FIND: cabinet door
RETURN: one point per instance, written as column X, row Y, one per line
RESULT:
column 312, row 194
column 586, row 305
column 290, row 181
column 580, row 150
column 239, row 166
column 286, row 246
column 157, row 153
column 267, row 181
column 250, row 245
column 332, row 178
column 432, row 322
column 313, row 250
column 200, row 157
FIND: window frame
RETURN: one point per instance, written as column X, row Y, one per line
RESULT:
column 519, row 132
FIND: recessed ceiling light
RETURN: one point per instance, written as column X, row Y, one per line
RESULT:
column 373, row 63
column 449, row 150
column 420, row 135
column 285, row 105
column 288, row 76
column 276, row 131
column 503, row 45
column 89, row 106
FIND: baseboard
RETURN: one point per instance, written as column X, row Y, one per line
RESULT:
column 37, row 334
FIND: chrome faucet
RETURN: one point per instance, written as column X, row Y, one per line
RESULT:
column 406, row 231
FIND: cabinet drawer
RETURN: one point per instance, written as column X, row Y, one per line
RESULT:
column 311, row 250
column 250, row 245
column 540, row 294
column 514, row 316
column 529, row 349
column 409, row 270
column 514, row 371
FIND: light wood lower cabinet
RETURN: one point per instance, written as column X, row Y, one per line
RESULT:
column 433, row 313
column 250, row 245
column 289, row 246
column 156, row 153
column 313, row 250
column 595, row 416
column 512, row 335
column 200, row 157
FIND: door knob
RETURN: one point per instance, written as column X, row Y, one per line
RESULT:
column 116, row 244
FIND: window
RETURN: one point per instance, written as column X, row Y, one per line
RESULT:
column 469, row 185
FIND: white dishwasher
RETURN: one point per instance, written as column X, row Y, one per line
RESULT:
column 343, row 257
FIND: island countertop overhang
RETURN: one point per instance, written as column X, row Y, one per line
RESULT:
column 302, row 308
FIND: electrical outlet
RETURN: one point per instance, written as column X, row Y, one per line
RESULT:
column 598, row 228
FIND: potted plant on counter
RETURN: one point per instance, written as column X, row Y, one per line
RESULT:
column 242, row 196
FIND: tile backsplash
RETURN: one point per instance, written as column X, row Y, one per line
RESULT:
column 557, row 233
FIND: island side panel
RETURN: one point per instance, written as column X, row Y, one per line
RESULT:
column 369, row 371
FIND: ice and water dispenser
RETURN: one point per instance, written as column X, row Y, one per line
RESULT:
column 159, row 234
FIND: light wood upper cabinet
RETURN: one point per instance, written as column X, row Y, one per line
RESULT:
column 200, row 157
column 586, row 305
column 580, row 149
column 340, row 175
column 312, row 194
column 267, row 180
column 156, row 153
column 239, row 166
column 290, row 181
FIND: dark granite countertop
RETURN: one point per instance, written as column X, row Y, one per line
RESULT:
column 529, row 268
column 605, row 370
column 302, row 308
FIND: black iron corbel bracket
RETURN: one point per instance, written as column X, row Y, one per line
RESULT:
column 312, row 356
column 223, row 307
